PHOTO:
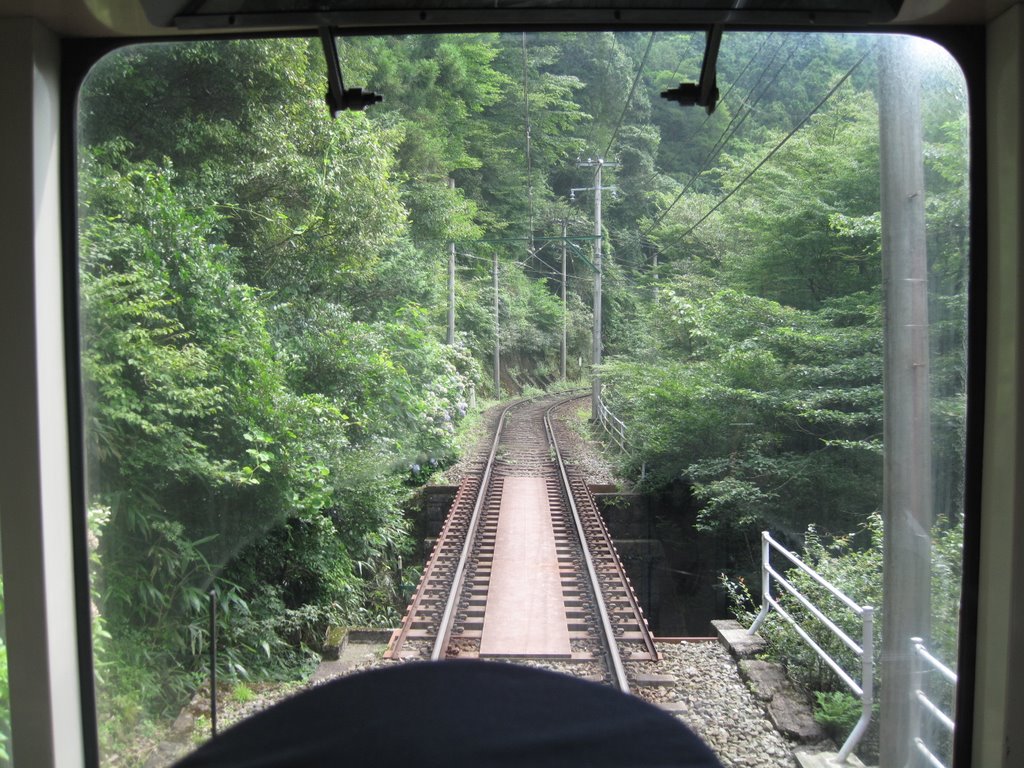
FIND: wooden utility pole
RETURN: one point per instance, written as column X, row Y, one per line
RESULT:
column 497, row 334
column 564, row 307
column 451, row 282
column 907, row 475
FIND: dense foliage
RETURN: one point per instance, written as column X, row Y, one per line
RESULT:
column 261, row 364
column 264, row 293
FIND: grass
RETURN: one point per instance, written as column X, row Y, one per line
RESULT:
column 242, row 694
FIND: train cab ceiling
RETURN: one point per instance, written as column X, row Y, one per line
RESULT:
column 157, row 18
column 256, row 13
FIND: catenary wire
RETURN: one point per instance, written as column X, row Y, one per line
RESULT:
column 725, row 97
column 629, row 99
column 730, row 131
column 770, row 155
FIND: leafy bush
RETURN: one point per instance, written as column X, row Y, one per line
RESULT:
column 239, row 442
column 838, row 712
column 743, row 400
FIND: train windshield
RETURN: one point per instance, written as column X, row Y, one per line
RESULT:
column 739, row 304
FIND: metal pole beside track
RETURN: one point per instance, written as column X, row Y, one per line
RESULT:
column 213, row 662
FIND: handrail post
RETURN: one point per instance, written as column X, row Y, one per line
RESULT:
column 867, row 684
column 213, row 661
column 867, row 663
column 916, row 686
column 865, row 689
column 766, row 587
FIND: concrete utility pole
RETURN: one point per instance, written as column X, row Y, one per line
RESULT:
column 497, row 334
column 451, row 282
column 564, row 307
column 596, row 336
column 599, row 165
column 654, row 267
column 907, row 474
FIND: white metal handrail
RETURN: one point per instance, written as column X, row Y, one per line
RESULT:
column 613, row 425
column 863, row 690
column 920, row 657
column 616, row 427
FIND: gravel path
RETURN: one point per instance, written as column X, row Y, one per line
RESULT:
column 596, row 459
column 710, row 698
column 706, row 694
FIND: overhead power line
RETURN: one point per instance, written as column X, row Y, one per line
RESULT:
column 771, row 154
column 529, row 159
column 725, row 97
column 728, row 91
column 731, row 129
column 629, row 99
column 678, row 67
column 600, row 112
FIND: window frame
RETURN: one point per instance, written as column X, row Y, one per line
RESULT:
column 966, row 44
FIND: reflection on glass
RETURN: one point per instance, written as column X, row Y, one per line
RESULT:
column 5, row 695
column 264, row 296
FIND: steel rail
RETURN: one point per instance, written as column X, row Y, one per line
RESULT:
column 444, row 629
column 634, row 605
column 447, row 622
column 432, row 567
column 615, row 667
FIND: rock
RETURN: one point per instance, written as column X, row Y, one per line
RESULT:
column 674, row 706
column 647, row 679
column 369, row 636
column 334, row 642
column 183, row 725
column 825, row 760
column 735, row 638
column 765, row 678
column 791, row 715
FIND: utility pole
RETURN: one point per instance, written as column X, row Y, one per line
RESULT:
column 599, row 165
column 564, row 307
column 596, row 335
column 497, row 334
column 907, row 490
column 654, row 267
column 530, row 252
column 451, row 283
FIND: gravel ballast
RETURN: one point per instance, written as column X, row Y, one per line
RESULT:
column 697, row 682
column 709, row 696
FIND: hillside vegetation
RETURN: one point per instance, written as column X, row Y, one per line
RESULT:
column 263, row 294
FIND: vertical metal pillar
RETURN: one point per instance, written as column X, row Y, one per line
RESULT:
column 596, row 352
column 451, row 283
column 599, row 165
column 766, row 585
column 213, row 661
column 564, row 307
column 907, row 474
column 497, row 334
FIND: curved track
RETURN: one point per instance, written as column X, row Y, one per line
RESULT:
column 524, row 566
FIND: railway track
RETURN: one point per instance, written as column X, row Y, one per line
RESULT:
column 524, row 566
